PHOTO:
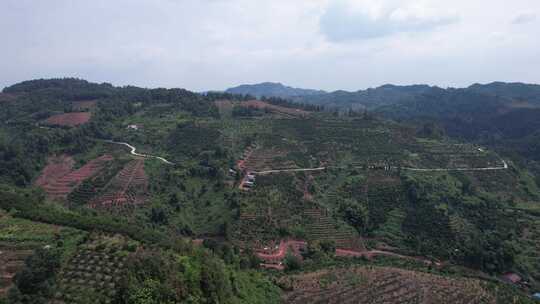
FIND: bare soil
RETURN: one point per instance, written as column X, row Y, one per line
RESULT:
column 273, row 108
column 69, row 119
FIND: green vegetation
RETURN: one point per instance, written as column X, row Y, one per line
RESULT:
column 361, row 195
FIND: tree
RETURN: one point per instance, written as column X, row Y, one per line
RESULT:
column 34, row 283
column 292, row 262
column 356, row 214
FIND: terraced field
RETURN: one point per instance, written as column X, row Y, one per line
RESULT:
column 126, row 189
column 267, row 159
column 57, row 166
column 434, row 154
column 321, row 227
column 58, row 186
column 380, row 285
column 12, row 259
column 69, row 119
column 94, row 271
column 282, row 111
column 18, row 240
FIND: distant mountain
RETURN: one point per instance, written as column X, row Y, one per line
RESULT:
column 371, row 98
column 506, row 115
column 518, row 92
column 489, row 100
column 272, row 89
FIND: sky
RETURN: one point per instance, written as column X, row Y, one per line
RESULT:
column 322, row 44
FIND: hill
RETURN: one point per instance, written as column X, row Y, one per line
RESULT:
column 272, row 89
column 368, row 99
column 215, row 197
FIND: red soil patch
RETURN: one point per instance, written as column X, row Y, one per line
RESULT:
column 273, row 108
column 270, row 256
column 274, row 256
column 84, row 105
column 127, row 188
column 69, row 119
column 57, row 166
column 60, row 187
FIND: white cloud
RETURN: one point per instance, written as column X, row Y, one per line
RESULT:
column 524, row 18
column 347, row 20
column 214, row 44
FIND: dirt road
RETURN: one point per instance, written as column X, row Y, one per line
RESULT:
column 133, row 149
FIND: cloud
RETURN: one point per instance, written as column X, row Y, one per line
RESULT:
column 342, row 21
column 524, row 18
column 215, row 44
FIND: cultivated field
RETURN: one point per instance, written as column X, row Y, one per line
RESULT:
column 287, row 112
column 321, row 226
column 57, row 167
column 18, row 240
column 69, row 119
column 126, row 189
column 381, row 285
column 59, row 182
column 94, row 271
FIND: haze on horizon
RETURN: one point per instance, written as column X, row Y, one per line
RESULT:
column 320, row 44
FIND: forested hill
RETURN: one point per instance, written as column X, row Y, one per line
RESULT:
column 370, row 98
column 270, row 89
column 514, row 91
column 511, row 94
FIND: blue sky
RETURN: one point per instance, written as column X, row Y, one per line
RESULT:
column 322, row 44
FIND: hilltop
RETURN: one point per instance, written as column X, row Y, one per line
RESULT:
column 272, row 89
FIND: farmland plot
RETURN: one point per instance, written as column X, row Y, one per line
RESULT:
column 60, row 184
column 18, row 240
column 126, row 189
column 381, row 285
column 323, row 227
column 94, row 271
column 69, row 119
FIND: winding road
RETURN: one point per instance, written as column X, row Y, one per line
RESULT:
column 503, row 167
column 133, row 149
column 270, row 259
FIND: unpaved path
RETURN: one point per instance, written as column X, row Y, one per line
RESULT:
column 504, row 167
column 133, row 149
column 284, row 245
column 282, row 251
column 373, row 253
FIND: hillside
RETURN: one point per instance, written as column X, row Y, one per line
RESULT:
column 221, row 198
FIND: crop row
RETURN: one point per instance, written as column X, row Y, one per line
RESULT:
column 127, row 188
column 60, row 188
